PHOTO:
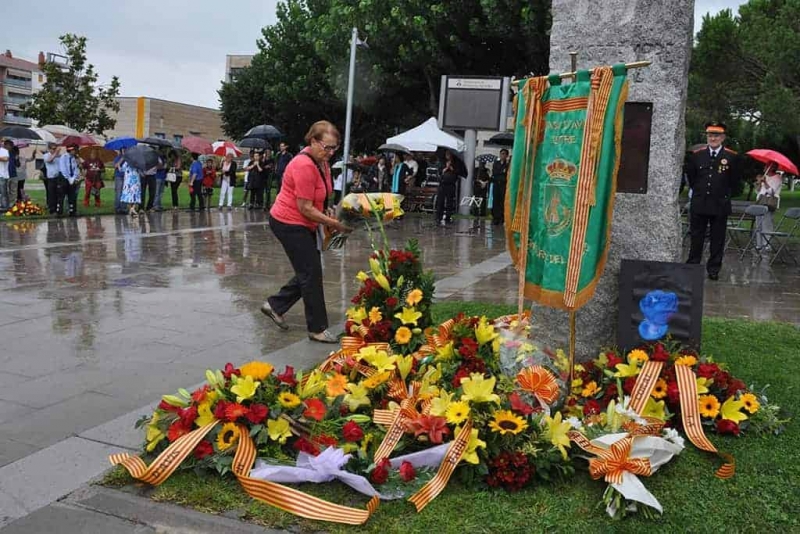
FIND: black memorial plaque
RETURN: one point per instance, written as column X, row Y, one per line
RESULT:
column 635, row 156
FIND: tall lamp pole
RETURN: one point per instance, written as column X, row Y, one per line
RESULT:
column 350, row 86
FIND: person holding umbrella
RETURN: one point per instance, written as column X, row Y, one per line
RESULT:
column 227, row 181
column 498, row 194
column 52, row 173
column 713, row 173
column 174, row 176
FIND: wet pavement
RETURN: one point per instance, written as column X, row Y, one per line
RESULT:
column 100, row 316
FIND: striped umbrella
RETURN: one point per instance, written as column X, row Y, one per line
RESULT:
column 223, row 148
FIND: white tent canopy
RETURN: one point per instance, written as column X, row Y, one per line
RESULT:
column 427, row 137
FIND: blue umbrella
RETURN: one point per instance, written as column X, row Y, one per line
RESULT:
column 119, row 143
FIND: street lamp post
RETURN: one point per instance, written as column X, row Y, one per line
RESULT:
column 354, row 42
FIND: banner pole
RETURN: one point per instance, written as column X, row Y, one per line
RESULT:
column 572, row 335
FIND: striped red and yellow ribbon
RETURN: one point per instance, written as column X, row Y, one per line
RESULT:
column 645, row 383
column 434, row 487
column 611, row 463
column 282, row 497
column 408, row 401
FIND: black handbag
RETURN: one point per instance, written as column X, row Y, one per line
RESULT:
column 770, row 201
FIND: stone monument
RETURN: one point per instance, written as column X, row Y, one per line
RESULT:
column 645, row 226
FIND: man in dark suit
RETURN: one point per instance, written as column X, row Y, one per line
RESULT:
column 713, row 173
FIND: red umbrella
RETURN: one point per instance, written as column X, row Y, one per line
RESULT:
column 80, row 140
column 770, row 156
column 222, row 148
column 197, row 145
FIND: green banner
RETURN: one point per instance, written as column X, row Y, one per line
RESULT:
column 562, row 182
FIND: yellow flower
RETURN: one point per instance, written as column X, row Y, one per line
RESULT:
column 590, row 389
column 409, row 316
column 506, row 422
column 457, row 412
column 731, row 409
column 278, row 430
column 204, row 414
column 357, row 396
column 557, row 433
column 471, row 450
column 702, row 385
column 375, row 315
column 402, row 336
column 375, row 266
column 709, row 406
column 750, row 402
column 288, row 400
column 577, row 385
column 379, row 359
column 631, row 368
column 485, row 332
column 440, row 404
column 637, row 355
column 479, row 389
column 362, row 276
column 376, row 380
column 686, row 360
column 654, row 409
column 154, row 434
column 446, row 352
column 383, row 282
column 313, row 385
column 245, row 388
column 404, row 365
column 415, row 297
column 660, row 389
column 335, row 385
column 227, row 436
column 258, row 370
column 356, row 314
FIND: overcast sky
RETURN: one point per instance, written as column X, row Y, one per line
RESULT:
column 170, row 49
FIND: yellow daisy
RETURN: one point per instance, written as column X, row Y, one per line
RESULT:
column 402, row 336
column 457, row 412
column 375, row 315
column 687, row 360
column 227, row 436
column 336, row 385
column 637, row 355
column 751, row 403
column 590, row 390
column 288, row 400
column 257, row 370
column 506, row 422
column 660, row 389
column 709, row 406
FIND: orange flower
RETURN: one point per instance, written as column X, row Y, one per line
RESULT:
column 540, row 382
column 336, row 385
column 403, row 335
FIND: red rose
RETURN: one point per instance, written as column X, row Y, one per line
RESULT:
column 287, row 377
column 230, row 370
column 315, row 409
column 592, row 407
column 380, row 474
column 735, row 387
column 519, row 405
column 407, row 472
column 176, row 430
column 352, row 432
column 391, row 302
column 203, row 449
column 673, row 394
column 257, row 413
column 660, row 354
column 726, row 426
column 187, row 416
column 707, row 370
column 629, row 384
column 219, row 410
column 721, row 380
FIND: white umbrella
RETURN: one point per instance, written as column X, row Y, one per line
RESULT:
column 59, row 130
column 46, row 136
column 338, row 165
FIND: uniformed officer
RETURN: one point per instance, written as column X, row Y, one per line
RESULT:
column 713, row 173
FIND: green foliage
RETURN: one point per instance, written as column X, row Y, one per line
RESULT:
column 745, row 71
column 300, row 73
column 72, row 96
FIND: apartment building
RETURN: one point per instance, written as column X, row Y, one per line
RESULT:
column 19, row 80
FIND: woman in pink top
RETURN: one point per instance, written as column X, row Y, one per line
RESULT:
column 300, row 208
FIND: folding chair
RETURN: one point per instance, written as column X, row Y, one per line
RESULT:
column 752, row 214
column 778, row 240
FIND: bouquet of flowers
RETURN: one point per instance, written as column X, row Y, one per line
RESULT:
column 357, row 207
column 24, row 209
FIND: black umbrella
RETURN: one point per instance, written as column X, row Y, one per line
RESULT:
column 264, row 131
column 502, row 139
column 141, row 157
column 393, row 147
column 254, row 142
column 156, row 141
column 486, row 158
column 19, row 132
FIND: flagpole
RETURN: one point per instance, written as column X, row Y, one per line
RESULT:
column 349, row 116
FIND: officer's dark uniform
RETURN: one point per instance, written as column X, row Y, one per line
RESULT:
column 712, row 180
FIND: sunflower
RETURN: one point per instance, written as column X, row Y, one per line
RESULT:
column 750, row 401
column 227, row 436
column 288, row 400
column 336, row 385
column 660, row 389
column 638, row 355
column 709, row 406
column 257, row 370
column 457, row 412
column 403, row 335
column 506, row 422
column 687, row 360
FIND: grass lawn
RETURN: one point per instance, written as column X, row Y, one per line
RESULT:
column 763, row 496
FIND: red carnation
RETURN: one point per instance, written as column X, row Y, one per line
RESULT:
column 707, row 370
column 315, row 409
column 735, row 387
column 187, row 416
column 629, row 384
column 721, row 380
column 230, row 370
column 326, row 440
column 519, row 405
column 199, row 395
column 219, row 410
column 726, row 426
column 257, row 413
column 302, row 444
column 380, row 474
column 592, row 407
column 391, row 302
column 660, row 354
column 203, row 449
column 673, row 394
column 167, row 407
column 176, row 430
column 610, row 393
column 407, row 472
column 234, row 411
column 613, row 360
column 352, row 432
column 287, row 377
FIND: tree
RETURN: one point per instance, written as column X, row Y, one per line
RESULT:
column 746, row 71
column 71, row 94
column 303, row 60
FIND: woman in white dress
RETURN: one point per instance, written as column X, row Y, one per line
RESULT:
column 768, row 185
